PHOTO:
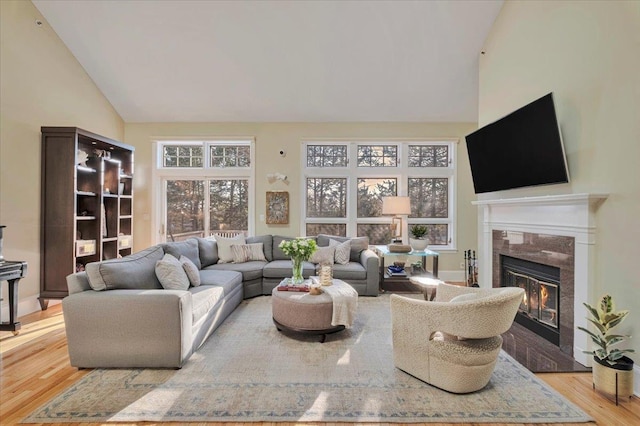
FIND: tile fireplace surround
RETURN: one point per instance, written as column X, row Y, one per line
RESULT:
column 571, row 215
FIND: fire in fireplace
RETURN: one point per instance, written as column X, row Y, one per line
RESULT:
column 539, row 310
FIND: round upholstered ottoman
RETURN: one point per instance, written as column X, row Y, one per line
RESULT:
column 303, row 312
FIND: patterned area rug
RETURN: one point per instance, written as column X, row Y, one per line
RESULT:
column 247, row 371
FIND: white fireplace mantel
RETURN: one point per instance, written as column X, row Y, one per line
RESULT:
column 571, row 215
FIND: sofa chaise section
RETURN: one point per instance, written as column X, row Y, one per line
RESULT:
column 116, row 324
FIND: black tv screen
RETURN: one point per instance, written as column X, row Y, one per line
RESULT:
column 522, row 149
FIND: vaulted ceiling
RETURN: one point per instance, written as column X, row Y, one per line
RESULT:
column 322, row 61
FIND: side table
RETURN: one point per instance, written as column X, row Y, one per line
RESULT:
column 12, row 272
column 402, row 281
column 428, row 285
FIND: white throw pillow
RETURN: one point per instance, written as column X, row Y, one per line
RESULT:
column 246, row 252
column 323, row 255
column 225, row 254
column 191, row 270
column 343, row 251
column 171, row 274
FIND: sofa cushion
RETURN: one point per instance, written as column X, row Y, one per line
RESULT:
column 188, row 248
column 224, row 247
column 204, row 298
column 350, row 271
column 247, row 252
column 278, row 254
column 358, row 244
column 136, row 271
column 282, row 269
column 191, row 269
column 227, row 280
column 208, row 249
column 267, row 241
column 171, row 274
column 250, row 270
column 342, row 251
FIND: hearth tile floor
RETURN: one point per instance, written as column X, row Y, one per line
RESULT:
column 537, row 354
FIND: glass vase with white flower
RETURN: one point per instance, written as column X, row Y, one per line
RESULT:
column 299, row 249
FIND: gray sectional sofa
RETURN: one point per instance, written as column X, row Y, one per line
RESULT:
column 118, row 314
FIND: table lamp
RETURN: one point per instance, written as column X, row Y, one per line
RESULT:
column 396, row 206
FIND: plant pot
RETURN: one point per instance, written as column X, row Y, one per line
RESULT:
column 604, row 377
column 418, row 244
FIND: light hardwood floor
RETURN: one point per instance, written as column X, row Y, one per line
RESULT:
column 35, row 368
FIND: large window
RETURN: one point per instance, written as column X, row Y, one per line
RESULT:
column 200, row 194
column 344, row 184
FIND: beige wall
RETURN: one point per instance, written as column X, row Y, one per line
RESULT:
column 270, row 138
column 587, row 53
column 42, row 84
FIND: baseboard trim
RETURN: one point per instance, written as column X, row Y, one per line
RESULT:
column 454, row 276
column 26, row 306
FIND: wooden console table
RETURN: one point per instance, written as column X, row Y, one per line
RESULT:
column 12, row 272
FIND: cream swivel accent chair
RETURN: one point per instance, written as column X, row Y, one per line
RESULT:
column 453, row 342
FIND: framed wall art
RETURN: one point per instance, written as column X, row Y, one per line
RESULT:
column 277, row 207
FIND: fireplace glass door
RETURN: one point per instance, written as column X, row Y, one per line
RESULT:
column 541, row 298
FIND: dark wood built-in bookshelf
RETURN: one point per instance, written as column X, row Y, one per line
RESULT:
column 87, row 206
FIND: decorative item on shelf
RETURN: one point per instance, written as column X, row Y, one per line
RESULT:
column 121, row 188
column 396, row 207
column 277, row 207
column 325, row 273
column 124, row 241
column 612, row 371
column 81, row 158
column 299, row 249
column 417, row 269
column 79, row 267
column 102, row 153
column 417, row 239
column 85, row 247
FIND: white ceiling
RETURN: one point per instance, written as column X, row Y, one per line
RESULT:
column 172, row 61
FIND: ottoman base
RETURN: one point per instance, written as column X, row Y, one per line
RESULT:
column 322, row 332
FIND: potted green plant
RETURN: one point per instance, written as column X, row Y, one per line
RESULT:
column 609, row 360
column 417, row 240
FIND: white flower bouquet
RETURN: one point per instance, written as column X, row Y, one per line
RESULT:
column 299, row 248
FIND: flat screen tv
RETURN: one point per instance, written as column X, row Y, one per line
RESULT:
column 522, row 149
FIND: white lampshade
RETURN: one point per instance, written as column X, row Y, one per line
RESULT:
column 396, row 205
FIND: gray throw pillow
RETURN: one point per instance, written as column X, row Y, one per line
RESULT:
column 188, row 248
column 324, row 254
column 358, row 244
column 208, row 249
column 247, row 252
column 192, row 271
column 267, row 245
column 342, row 252
column 171, row 274
column 136, row 271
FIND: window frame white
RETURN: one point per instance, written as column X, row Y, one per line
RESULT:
column 160, row 176
column 402, row 173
